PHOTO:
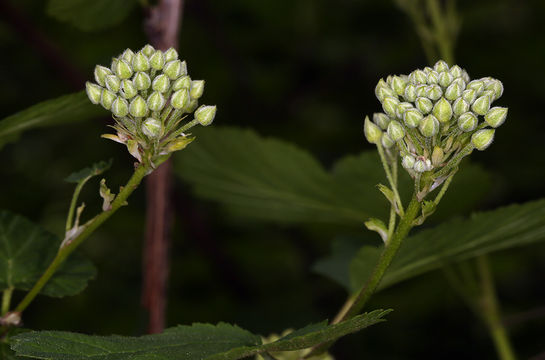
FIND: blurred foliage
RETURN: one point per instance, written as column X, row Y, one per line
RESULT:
column 300, row 71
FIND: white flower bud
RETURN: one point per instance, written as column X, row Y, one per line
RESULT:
column 460, row 106
column 445, row 79
column 387, row 141
column 497, row 87
column 412, row 118
column 197, row 89
column 372, row 132
column 382, row 120
column 420, row 77
column 140, row 62
column 156, row 101
column 122, row 69
column 107, row 98
column 434, row 92
column 161, row 83
column 173, row 69
column 94, row 92
column 442, row 111
column 477, row 85
column 422, row 165
column 100, row 74
column 398, row 85
column 112, row 83
column 148, row 50
column 469, row 95
column 128, row 90
column 421, row 91
column 410, row 92
column 433, row 77
column 171, row 54
column 496, row 116
column 183, row 82
column 180, row 99
column 152, row 128
column 396, row 131
column 424, row 105
column 467, row 122
column 141, row 81
column 408, row 162
column 441, row 66
column 120, row 107
column 205, row 114
column 453, row 92
column 127, row 55
column 461, row 83
column 455, row 71
column 481, row 105
column 138, row 107
column 157, row 60
column 401, row 108
column 482, row 139
column 429, row 126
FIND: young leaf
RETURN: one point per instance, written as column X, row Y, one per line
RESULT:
column 90, row 15
column 25, row 252
column 196, row 342
column 68, row 108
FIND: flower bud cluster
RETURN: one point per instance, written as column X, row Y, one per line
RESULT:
column 434, row 117
column 149, row 94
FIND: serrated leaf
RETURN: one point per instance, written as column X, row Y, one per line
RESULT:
column 88, row 172
column 25, row 252
column 65, row 109
column 196, row 342
column 90, row 15
column 457, row 240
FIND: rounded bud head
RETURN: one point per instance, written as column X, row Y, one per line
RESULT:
column 482, row 138
column 398, row 85
column 205, row 114
column 442, row 111
column 151, row 128
column 156, row 101
column 467, row 122
column 460, row 106
column 180, row 99
column 408, row 162
column 383, row 92
column 421, row 91
column 173, row 69
column 372, row 132
column 395, row 131
column 138, row 107
column 107, row 98
column 424, row 105
column 496, row 116
column 422, row 165
column 157, row 60
column 440, row 66
column 197, row 89
column 453, row 92
column 382, row 120
column 469, row 95
column 401, row 108
column 410, row 92
column 127, row 55
column 461, row 83
column 437, row 156
column 429, row 126
column 456, row 71
column 182, row 83
column 100, row 74
column 171, row 54
column 141, row 81
column 389, row 105
column 140, row 62
column 148, row 50
column 445, row 78
column 387, row 141
column 481, row 105
column 94, row 92
column 120, row 107
column 497, row 87
column 434, row 92
column 161, row 83
column 128, row 90
column 477, row 85
column 412, row 118
column 433, row 77
column 122, row 69
column 113, row 83
column 420, row 77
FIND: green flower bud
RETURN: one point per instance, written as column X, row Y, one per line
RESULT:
column 372, row 132
column 151, row 128
column 171, row 54
column 453, row 92
column 128, row 90
column 490, row 93
column 180, row 99
column 410, row 92
column 427, row 70
column 440, row 66
column 157, row 60
column 396, row 131
column 173, row 69
column 467, row 122
column 422, row 165
column 420, row 77
column 465, row 76
column 496, row 116
column 433, row 77
column 142, row 81
column 455, row 71
column 127, row 55
column 481, row 105
column 398, row 85
column 156, row 101
column 421, row 91
column 424, row 105
column 138, row 107
column 469, row 95
column 434, row 92
column 183, row 82
column 429, row 126
column 120, row 107
column 161, row 83
column 140, row 62
column 148, row 50
column 408, row 162
column 197, row 89
column 382, row 120
column 461, row 83
column 122, row 69
column 482, row 138
column 114, row 64
column 183, row 69
column 381, row 84
column 383, row 91
column 460, row 106
column 401, row 108
column 192, row 106
column 94, row 92
column 497, row 87
column 387, row 141
column 389, row 105
column 445, row 79
column 113, row 83
column 107, row 98
column 100, row 74
column 437, row 156
column 442, row 111
column 412, row 118
column 179, row 143
column 205, row 114
column 477, row 85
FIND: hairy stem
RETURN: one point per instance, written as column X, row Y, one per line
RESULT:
column 73, row 203
column 390, row 179
column 6, row 300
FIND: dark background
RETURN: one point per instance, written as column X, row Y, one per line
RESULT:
column 303, row 71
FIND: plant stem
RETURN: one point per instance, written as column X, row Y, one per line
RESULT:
column 68, row 247
column 443, row 190
column 71, row 211
column 6, row 300
column 491, row 312
column 443, row 39
column 390, row 179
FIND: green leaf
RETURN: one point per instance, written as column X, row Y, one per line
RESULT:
column 87, row 173
column 90, row 15
column 196, row 342
column 65, row 109
column 457, row 240
column 25, row 252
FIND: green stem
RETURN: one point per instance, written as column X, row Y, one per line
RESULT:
column 72, row 210
column 390, row 179
column 491, row 312
column 69, row 246
column 443, row 40
column 6, row 300
column 443, row 190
